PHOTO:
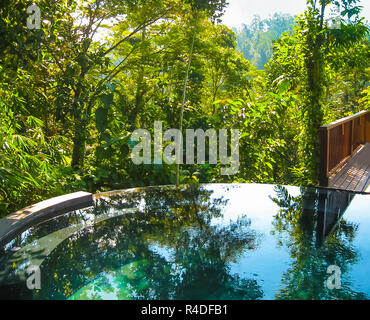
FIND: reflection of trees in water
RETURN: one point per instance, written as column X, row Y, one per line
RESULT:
column 168, row 249
column 297, row 226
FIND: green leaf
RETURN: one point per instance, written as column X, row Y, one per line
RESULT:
column 101, row 115
column 107, row 99
column 283, row 86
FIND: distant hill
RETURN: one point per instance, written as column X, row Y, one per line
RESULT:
column 255, row 39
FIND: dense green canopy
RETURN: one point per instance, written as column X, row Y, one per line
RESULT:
column 73, row 91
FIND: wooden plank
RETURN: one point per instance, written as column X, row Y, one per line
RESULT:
column 346, row 179
column 338, row 180
column 362, row 185
column 342, row 178
column 355, row 175
column 353, row 171
column 359, row 174
column 336, row 173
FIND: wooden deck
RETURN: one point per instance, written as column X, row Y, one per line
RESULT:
column 355, row 174
column 345, row 153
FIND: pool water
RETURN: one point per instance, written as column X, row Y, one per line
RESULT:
column 215, row 241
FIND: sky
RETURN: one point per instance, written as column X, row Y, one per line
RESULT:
column 242, row 11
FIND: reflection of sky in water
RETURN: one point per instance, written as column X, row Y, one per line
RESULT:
column 164, row 251
column 267, row 263
column 252, row 201
column 359, row 212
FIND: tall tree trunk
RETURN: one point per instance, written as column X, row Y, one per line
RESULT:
column 314, row 113
column 79, row 144
column 79, row 129
column 183, row 102
column 140, row 86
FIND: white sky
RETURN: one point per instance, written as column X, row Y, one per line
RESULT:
column 242, row 11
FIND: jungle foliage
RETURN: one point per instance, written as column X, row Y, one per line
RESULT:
column 72, row 92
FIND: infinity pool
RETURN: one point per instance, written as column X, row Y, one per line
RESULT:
column 215, row 241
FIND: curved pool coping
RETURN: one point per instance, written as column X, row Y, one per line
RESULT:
column 21, row 220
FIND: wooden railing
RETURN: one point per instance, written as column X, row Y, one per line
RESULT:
column 339, row 140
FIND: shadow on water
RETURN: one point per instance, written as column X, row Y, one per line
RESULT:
column 167, row 249
column 313, row 228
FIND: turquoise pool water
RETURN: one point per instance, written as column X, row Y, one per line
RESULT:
column 216, row 241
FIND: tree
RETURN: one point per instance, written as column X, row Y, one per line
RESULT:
column 306, row 58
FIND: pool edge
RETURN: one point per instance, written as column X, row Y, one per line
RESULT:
column 21, row 220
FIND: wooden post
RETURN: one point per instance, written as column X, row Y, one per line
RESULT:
column 351, row 137
column 363, row 129
column 324, row 156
